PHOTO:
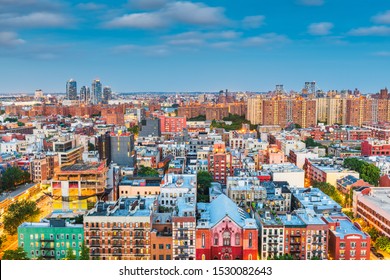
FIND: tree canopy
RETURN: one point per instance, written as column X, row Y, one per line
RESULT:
column 18, row 254
column 12, row 177
column 17, row 213
column 69, row 254
column 147, row 171
column 368, row 172
column 84, row 252
column 329, row 190
column 204, row 180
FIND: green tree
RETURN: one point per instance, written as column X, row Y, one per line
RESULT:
column 330, row 190
column 368, row 172
column 17, row 213
column 147, row 171
column 18, row 254
column 383, row 243
column 282, row 257
column 3, row 239
column 204, row 180
column 373, row 232
column 69, row 255
column 198, row 118
column 84, row 252
column 20, row 124
column 134, row 129
column 12, row 177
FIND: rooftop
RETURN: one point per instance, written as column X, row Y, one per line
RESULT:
column 378, row 199
column 315, row 199
column 282, row 167
column 80, row 167
column 346, row 227
column 125, row 206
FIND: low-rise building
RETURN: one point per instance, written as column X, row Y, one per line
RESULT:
column 225, row 232
column 120, row 230
column 313, row 199
column 347, row 241
column 289, row 172
column 50, row 239
column 373, row 206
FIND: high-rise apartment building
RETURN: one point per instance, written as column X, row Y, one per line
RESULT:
column 71, row 90
column 107, row 94
column 96, row 92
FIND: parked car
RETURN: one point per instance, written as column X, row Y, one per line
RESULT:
column 378, row 255
column 373, row 249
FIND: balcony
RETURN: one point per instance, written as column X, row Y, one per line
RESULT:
column 94, row 237
column 47, row 248
column 139, row 237
column 139, row 228
column 295, row 243
column 183, row 255
column 183, row 246
column 295, row 234
column 117, row 245
column 47, row 240
column 116, row 236
column 94, row 245
column 117, row 254
column 272, row 242
column 139, row 245
column 182, row 228
column 182, row 238
column 116, row 228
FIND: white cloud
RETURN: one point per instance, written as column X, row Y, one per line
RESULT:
column 171, row 13
column 140, row 20
column 154, row 50
column 383, row 18
column 379, row 30
column 38, row 19
column 311, row 2
column 320, row 28
column 10, row 39
column 147, row 4
column 266, row 39
column 195, row 13
column 201, row 38
column 253, row 21
column 90, row 6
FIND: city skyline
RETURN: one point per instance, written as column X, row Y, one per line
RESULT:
column 173, row 46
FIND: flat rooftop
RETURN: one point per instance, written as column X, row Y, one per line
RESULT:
column 379, row 199
column 346, row 228
column 291, row 220
column 282, row 167
column 125, row 206
column 82, row 167
column 313, row 198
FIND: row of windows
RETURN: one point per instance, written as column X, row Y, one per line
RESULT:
column 119, row 224
column 51, row 236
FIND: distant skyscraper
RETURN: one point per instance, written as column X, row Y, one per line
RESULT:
column 83, row 93
column 71, row 90
column 96, row 92
column 107, row 94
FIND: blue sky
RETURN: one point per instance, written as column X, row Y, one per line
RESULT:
column 168, row 45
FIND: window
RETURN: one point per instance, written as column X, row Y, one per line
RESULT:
column 226, row 238
column 364, row 244
column 203, row 240
column 161, row 257
column 250, row 240
column 237, row 237
column 21, row 236
column 215, row 239
column 168, row 257
column 168, row 246
column 73, row 236
column 161, row 246
column 353, row 244
column 67, row 237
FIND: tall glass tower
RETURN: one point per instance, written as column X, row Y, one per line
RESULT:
column 71, row 90
column 96, row 92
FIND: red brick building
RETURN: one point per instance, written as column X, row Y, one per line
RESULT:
column 225, row 232
column 220, row 163
column 172, row 124
column 347, row 241
column 375, row 147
